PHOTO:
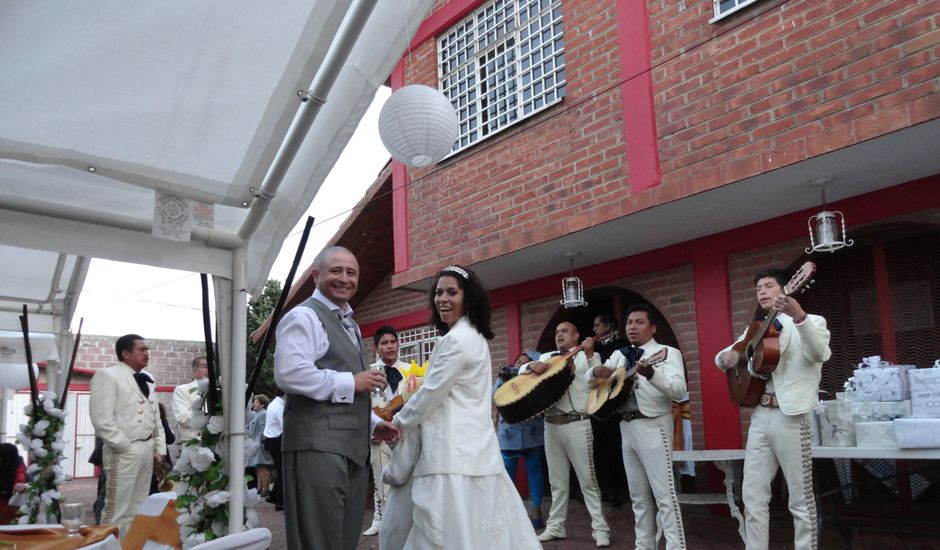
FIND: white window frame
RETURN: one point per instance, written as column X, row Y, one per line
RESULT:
column 741, row 5
column 416, row 343
column 523, row 39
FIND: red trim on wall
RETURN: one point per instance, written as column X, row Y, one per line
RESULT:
column 400, row 322
column 639, row 112
column 443, row 18
column 883, row 291
column 399, row 192
column 722, row 419
column 513, row 331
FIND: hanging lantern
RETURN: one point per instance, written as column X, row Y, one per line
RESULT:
column 827, row 228
column 418, row 125
column 572, row 289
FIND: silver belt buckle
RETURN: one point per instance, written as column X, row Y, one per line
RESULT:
column 767, row 400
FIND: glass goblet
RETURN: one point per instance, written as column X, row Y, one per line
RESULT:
column 72, row 515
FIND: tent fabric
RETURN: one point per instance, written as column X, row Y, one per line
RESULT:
column 102, row 108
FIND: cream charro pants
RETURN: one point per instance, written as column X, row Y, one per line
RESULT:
column 779, row 440
column 572, row 443
column 647, row 459
column 128, row 482
column 380, row 456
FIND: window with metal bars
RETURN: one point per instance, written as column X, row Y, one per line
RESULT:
column 416, row 344
column 724, row 8
column 501, row 64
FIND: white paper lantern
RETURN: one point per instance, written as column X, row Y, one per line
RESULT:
column 418, row 125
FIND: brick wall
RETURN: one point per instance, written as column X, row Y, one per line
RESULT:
column 384, row 302
column 170, row 360
column 774, row 84
column 786, row 80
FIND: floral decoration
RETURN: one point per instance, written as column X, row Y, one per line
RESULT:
column 42, row 437
column 201, row 466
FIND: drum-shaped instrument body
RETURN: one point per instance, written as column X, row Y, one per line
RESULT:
column 530, row 394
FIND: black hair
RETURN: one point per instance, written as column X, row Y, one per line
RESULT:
column 476, row 302
column 197, row 358
column 607, row 318
column 125, row 343
column 651, row 313
column 383, row 330
column 9, row 462
column 780, row 275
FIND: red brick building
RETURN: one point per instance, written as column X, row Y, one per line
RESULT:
column 673, row 144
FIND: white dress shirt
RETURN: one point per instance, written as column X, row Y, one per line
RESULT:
column 301, row 341
column 274, row 419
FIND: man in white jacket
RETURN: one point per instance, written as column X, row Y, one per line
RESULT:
column 646, row 428
column 781, row 431
column 568, row 439
column 385, row 341
column 184, row 396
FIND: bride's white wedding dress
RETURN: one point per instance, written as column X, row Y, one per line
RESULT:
column 460, row 494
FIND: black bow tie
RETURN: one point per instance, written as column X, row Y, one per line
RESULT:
column 142, row 378
column 393, row 377
column 632, row 354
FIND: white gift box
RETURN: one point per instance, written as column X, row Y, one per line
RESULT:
column 925, row 392
column 875, row 434
column 885, row 383
column 917, row 433
column 880, row 411
column 836, row 426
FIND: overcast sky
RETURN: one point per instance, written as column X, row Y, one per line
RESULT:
column 120, row 298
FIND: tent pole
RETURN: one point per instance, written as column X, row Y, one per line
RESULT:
column 235, row 408
column 314, row 98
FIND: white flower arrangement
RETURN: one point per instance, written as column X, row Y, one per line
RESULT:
column 202, row 468
column 42, row 437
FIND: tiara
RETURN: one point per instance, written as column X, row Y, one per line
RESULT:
column 458, row 270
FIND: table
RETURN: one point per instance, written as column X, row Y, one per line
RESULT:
column 726, row 461
column 9, row 533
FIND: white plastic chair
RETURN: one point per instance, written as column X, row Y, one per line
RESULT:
column 252, row 539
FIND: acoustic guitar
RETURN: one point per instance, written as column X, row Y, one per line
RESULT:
column 527, row 395
column 761, row 347
column 608, row 394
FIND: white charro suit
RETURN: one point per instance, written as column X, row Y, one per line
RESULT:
column 571, row 440
column 783, row 436
column 647, row 447
column 184, row 396
column 129, row 424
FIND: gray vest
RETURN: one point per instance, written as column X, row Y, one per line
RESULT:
column 340, row 428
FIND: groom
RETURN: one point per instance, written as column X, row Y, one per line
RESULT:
column 321, row 364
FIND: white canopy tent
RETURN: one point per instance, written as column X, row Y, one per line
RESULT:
column 113, row 112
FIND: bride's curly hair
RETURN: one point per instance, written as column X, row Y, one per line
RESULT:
column 476, row 302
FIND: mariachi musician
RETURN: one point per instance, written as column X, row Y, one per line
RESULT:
column 611, row 478
column 646, row 429
column 781, row 433
column 567, row 429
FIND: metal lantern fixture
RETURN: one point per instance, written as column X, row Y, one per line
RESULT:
column 824, row 227
column 418, row 125
column 572, row 289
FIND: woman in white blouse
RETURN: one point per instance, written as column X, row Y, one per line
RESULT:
column 462, row 496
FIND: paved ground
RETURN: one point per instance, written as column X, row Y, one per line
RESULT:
column 703, row 530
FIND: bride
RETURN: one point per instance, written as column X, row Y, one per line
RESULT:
column 462, row 497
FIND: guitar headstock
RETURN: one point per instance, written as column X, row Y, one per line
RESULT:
column 801, row 280
column 656, row 358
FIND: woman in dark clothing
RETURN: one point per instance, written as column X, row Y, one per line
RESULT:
column 12, row 480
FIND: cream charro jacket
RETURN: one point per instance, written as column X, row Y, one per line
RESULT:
column 453, row 407
column 119, row 411
column 803, row 350
column 655, row 396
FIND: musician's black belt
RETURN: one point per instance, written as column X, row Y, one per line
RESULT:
column 633, row 415
column 565, row 418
